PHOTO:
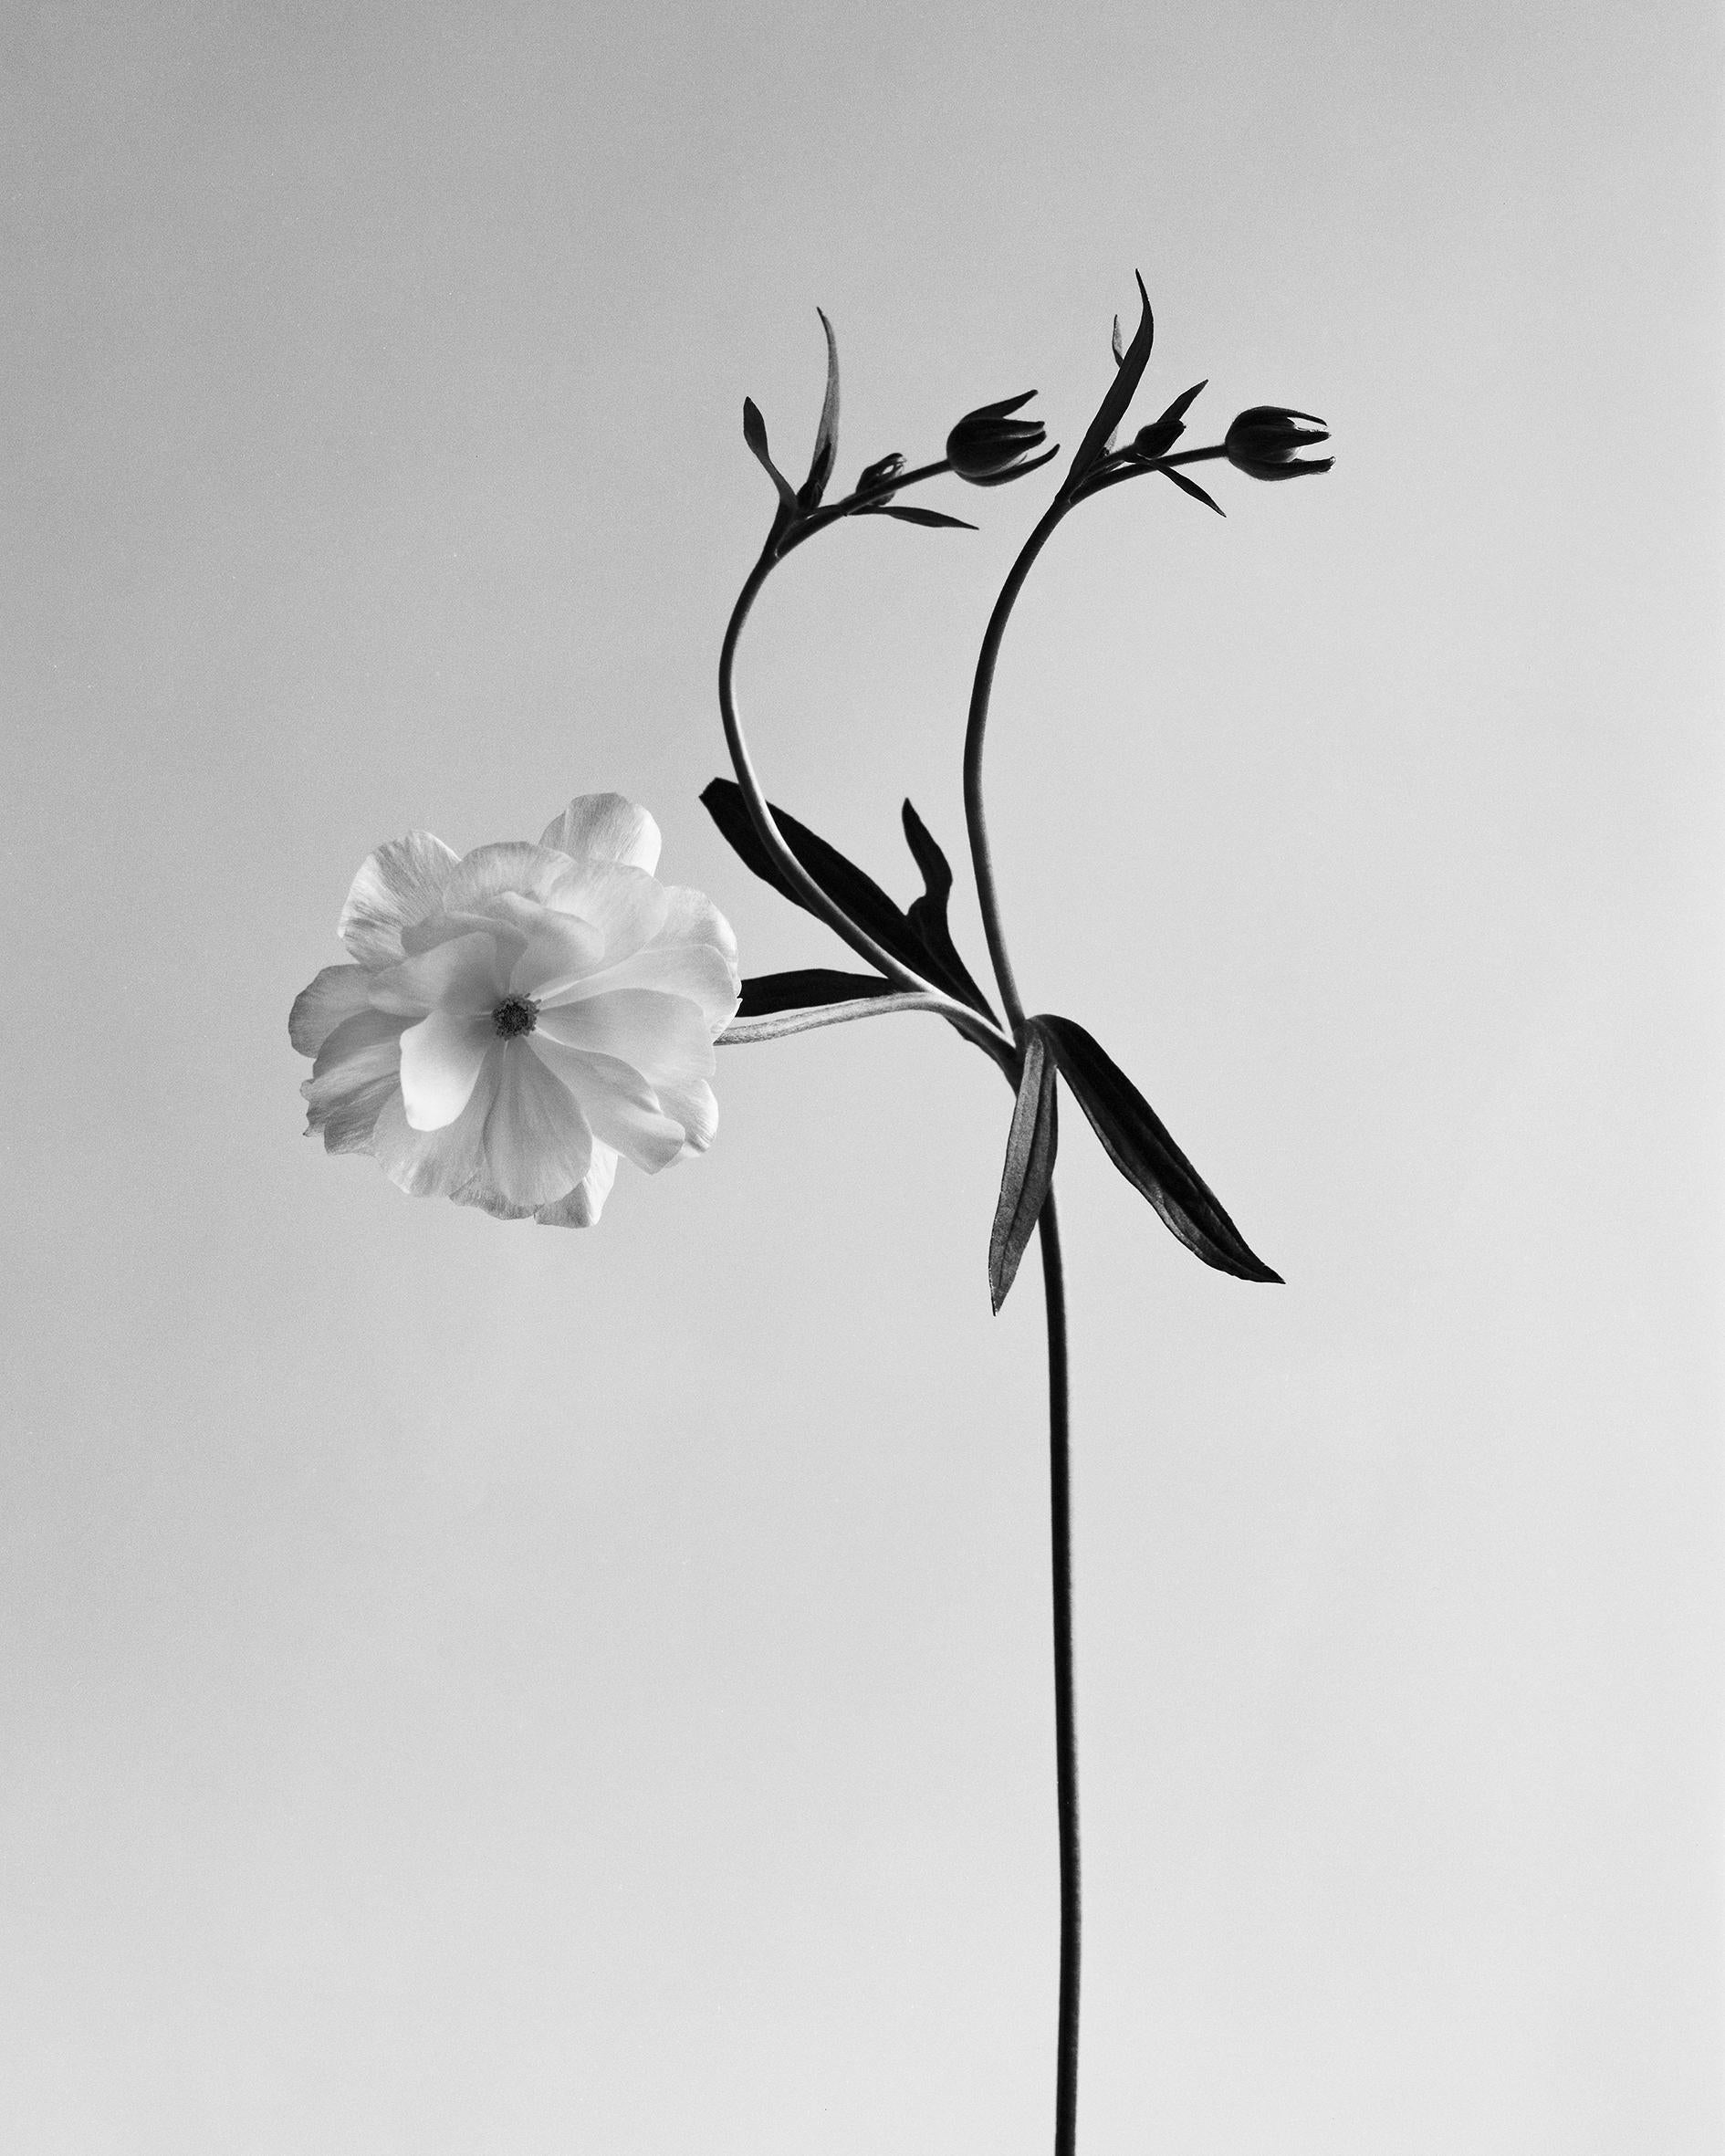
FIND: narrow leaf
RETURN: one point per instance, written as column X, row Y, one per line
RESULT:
column 1120, row 349
column 826, row 448
column 806, row 988
column 754, row 435
column 1030, row 1167
column 933, row 519
column 1181, row 405
column 1192, row 488
column 846, row 884
column 928, row 914
column 1137, row 1142
column 1112, row 408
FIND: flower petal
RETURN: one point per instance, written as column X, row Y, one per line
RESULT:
column 537, row 1142
column 337, row 993
column 442, row 1057
column 559, row 948
column 694, row 971
column 444, row 927
column 466, row 975
column 625, row 905
column 665, row 1038
column 584, row 1204
column 355, row 1073
column 605, row 827
column 398, row 885
column 693, row 1105
column 488, row 872
column 439, row 1163
column 619, row 1107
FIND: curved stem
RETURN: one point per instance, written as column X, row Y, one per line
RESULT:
column 1065, row 1709
column 975, row 818
column 967, row 1021
column 741, row 1032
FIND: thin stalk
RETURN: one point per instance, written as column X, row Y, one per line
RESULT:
column 975, row 816
column 967, row 1021
column 1065, row 1707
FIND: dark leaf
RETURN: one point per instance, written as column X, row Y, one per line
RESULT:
column 826, row 448
column 928, row 914
column 1192, row 488
column 1178, row 409
column 1120, row 349
column 1137, row 1142
column 888, row 467
column 754, row 435
column 1030, row 1167
column 809, row 986
column 846, row 884
column 932, row 517
column 1121, row 390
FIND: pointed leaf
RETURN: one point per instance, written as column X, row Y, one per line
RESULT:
column 933, row 519
column 826, row 448
column 846, row 884
column 754, row 435
column 1192, row 488
column 1137, row 1142
column 928, row 914
column 1178, row 409
column 1112, row 408
column 1030, row 1167
column 1120, row 349
column 806, row 988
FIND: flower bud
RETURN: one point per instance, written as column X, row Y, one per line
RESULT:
column 985, row 446
column 1263, row 440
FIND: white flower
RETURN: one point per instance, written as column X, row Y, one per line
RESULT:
column 519, row 1016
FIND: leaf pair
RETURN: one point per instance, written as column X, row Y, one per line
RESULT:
column 919, row 938
column 795, row 502
column 1134, row 1137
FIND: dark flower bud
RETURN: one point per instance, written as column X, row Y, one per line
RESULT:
column 1156, row 439
column 1263, row 442
column 985, row 446
column 889, row 467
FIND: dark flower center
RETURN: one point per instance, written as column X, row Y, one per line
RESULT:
column 514, row 1014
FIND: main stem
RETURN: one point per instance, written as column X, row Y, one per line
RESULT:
column 1065, row 1707
column 1059, row 1428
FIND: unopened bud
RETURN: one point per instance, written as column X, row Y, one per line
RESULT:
column 1264, row 443
column 987, row 446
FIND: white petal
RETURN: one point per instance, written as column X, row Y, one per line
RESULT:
column 337, row 993
column 696, row 971
column 619, row 1107
column 398, row 885
column 559, row 948
column 663, row 1036
column 584, row 1204
column 441, row 1061
column 439, row 1163
column 468, row 976
column 537, row 1142
column 625, row 905
column 355, row 1073
column 694, row 1106
column 444, row 927
column 488, row 872
column 691, row 917
column 605, row 827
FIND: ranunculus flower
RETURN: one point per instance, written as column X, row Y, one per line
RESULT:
column 517, row 1017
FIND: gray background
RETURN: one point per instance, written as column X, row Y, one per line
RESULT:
column 465, row 1688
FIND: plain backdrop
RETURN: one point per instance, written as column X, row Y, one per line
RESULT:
column 468, row 1689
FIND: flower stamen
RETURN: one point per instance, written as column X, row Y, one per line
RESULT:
column 514, row 1016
